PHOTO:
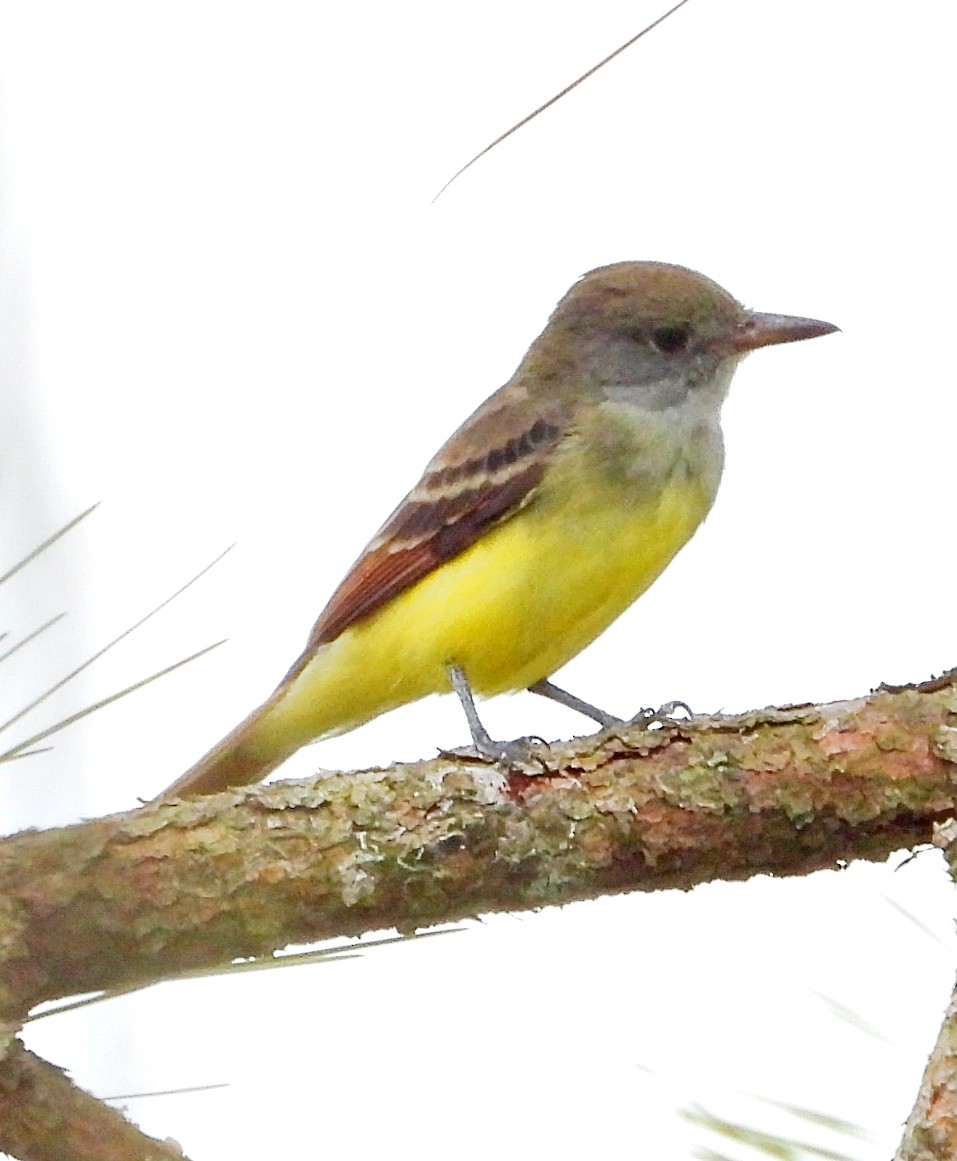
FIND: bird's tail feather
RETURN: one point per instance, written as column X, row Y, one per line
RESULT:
column 242, row 757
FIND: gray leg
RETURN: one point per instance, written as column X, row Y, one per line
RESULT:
column 644, row 717
column 481, row 739
column 563, row 697
column 518, row 750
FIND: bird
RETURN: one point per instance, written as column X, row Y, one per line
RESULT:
column 553, row 507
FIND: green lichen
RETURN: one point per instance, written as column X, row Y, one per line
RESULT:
column 944, row 743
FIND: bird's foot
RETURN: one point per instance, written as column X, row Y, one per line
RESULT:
column 517, row 751
column 664, row 715
column 516, row 754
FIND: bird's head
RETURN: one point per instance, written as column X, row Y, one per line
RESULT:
column 657, row 332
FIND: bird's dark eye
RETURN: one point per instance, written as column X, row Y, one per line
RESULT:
column 671, row 340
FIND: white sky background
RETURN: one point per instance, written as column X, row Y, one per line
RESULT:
column 229, row 310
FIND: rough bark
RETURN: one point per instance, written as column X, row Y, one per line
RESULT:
column 141, row 896
column 931, row 1131
column 45, row 1117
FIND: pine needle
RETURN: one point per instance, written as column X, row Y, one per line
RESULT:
column 558, row 96
column 30, row 636
column 20, row 749
column 47, row 543
column 106, row 648
column 333, row 954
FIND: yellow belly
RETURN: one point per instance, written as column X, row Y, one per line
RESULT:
column 510, row 610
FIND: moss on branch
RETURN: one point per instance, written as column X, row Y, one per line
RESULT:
column 139, row 896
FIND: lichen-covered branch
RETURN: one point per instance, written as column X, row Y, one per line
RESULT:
column 140, row 896
column 931, row 1131
column 45, row 1117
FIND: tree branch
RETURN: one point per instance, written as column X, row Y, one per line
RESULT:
column 45, row 1117
column 137, row 897
column 931, row 1130
column 140, row 896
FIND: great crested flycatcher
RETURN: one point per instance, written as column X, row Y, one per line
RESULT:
column 555, row 505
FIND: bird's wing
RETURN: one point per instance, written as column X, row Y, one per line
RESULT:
column 486, row 472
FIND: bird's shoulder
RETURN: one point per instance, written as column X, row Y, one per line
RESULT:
column 486, row 471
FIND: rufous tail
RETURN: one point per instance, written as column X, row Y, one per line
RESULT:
column 238, row 759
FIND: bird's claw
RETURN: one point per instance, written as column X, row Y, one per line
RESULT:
column 516, row 754
column 662, row 716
